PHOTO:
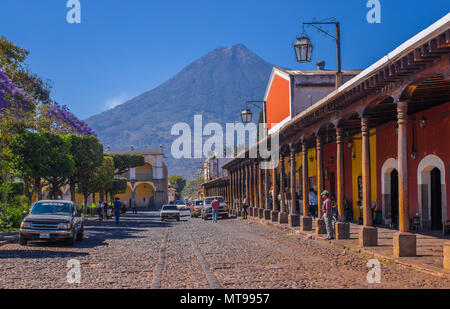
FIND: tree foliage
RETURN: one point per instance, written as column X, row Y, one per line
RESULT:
column 123, row 162
column 177, row 182
column 193, row 188
column 87, row 153
column 43, row 156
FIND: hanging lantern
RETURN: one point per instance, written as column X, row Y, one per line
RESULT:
column 246, row 115
column 303, row 49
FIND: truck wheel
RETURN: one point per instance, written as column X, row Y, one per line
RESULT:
column 80, row 235
column 22, row 241
column 71, row 241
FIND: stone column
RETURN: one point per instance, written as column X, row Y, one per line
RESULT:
column 239, row 191
column 275, row 210
column 342, row 228
column 283, row 203
column 447, row 255
column 320, row 222
column 255, row 189
column 250, row 189
column 267, row 205
column 293, row 219
column 233, row 189
column 368, row 233
column 405, row 243
column 260, row 193
column 305, row 220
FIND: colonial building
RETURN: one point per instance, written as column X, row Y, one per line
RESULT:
column 378, row 143
column 148, row 184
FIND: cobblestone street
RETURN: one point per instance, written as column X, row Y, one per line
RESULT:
column 146, row 253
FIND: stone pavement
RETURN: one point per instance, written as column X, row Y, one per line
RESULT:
column 429, row 257
column 145, row 253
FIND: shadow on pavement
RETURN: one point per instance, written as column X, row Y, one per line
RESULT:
column 39, row 254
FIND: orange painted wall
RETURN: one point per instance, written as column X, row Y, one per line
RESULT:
column 278, row 101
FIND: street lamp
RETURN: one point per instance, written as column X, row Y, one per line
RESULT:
column 303, row 49
column 247, row 115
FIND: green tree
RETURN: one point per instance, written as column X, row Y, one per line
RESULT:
column 87, row 153
column 45, row 156
column 178, row 183
column 117, row 186
column 123, row 162
column 103, row 176
column 193, row 188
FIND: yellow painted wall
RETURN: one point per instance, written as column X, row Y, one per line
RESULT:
column 125, row 197
column 144, row 192
column 357, row 169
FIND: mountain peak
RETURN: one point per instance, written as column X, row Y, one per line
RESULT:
column 215, row 86
column 238, row 52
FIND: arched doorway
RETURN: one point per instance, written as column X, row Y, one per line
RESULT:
column 144, row 195
column 436, row 200
column 394, row 198
column 389, row 191
column 432, row 192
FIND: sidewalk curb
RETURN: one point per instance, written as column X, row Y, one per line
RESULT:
column 430, row 270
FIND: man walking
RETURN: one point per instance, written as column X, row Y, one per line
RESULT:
column 134, row 207
column 244, row 207
column 117, row 207
column 328, row 214
column 215, row 204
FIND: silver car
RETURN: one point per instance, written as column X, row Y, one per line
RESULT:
column 170, row 212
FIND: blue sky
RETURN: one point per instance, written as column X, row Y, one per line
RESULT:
column 123, row 48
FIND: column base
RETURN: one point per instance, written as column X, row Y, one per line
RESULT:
column 368, row 236
column 293, row 220
column 261, row 213
column 283, row 218
column 321, row 228
column 447, row 255
column 342, row 230
column 305, row 223
column 266, row 215
column 405, row 244
column 274, row 215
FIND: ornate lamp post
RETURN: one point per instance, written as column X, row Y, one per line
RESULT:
column 303, row 47
column 247, row 115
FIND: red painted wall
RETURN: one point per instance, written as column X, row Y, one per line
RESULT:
column 278, row 105
column 434, row 139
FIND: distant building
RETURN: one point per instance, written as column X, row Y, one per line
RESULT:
column 147, row 185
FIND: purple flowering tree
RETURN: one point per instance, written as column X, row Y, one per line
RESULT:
column 58, row 118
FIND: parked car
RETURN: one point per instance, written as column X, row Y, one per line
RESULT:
column 207, row 210
column 180, row 204
column 196, row 208
column 52, row 220
column 170, row 212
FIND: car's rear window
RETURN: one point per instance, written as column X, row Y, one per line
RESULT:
column 52, row 208
column 170, row 208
